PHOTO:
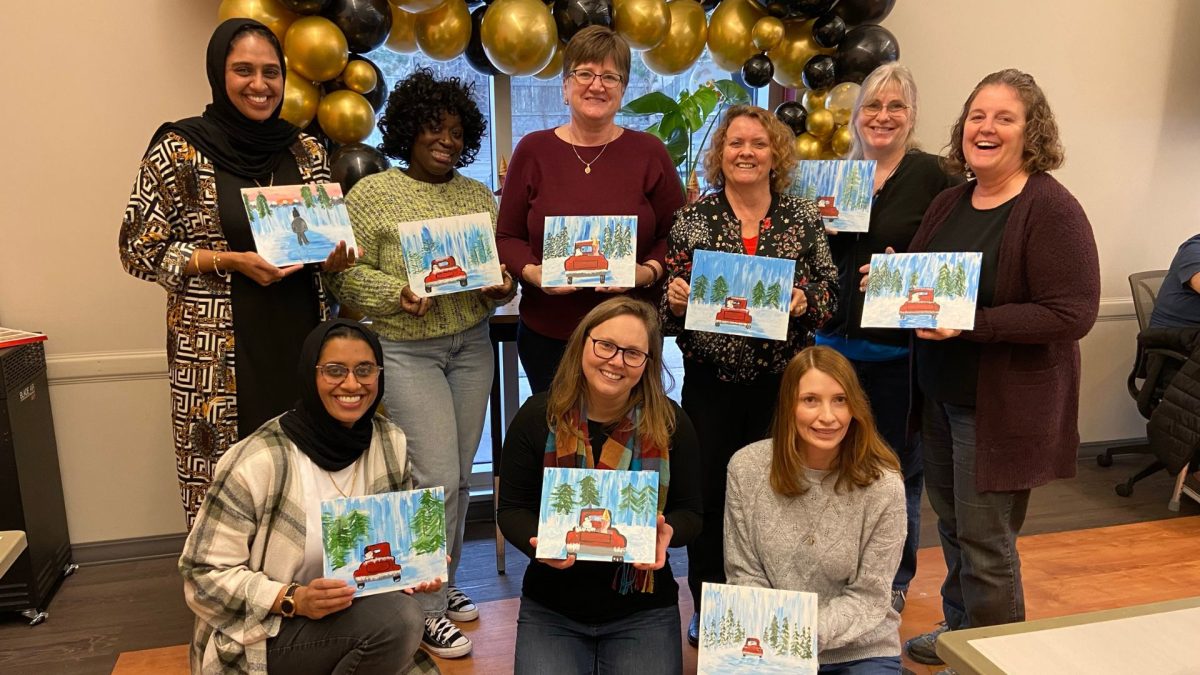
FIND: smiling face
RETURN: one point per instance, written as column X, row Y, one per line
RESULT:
column 822, row 416
column 884, row 133
column 253, row 77
column 594, row 102
column 437, row 149
column 610, row 379
column 993, row 139
column 746, row 158
column 348, row 400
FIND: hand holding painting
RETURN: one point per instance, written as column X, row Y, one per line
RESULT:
column 533, row 274
column 677, row 296
column 319, row 598
column 799, row 303
column 938, row 333
column 340, row 258
column 556, row 564
column 257, row 268
column 413, row 304
column 865, row 269
column 663, row 534
column 500, row 291
column 644, row 275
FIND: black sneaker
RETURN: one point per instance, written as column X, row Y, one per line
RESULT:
column 442, row 638
column 898, row 598
column 459, row 607
column 923, row 648
column 694, row 630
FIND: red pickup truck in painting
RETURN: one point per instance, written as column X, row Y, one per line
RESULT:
column 378, row 563
column 593, row 536
column 920, row 303
column 752, row 648
column 587, row 261
column 444, row 271
column 734, row 313
column 827, row 209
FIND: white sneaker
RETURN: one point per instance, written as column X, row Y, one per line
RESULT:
column 442, row 638
column 459, row 607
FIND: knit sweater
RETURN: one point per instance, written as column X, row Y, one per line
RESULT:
column 843, row 546
column 372, row 286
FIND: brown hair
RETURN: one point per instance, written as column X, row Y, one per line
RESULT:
column 863, row 456
column 783, row 152
column 1043, row 147
column 594, row 44
column 657, row 421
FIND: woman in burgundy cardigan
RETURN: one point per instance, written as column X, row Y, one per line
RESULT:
column 1001, row 401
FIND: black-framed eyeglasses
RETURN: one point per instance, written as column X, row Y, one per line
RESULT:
column 892, row 107
column 634, row 358
column 336, row 373
column 586, row 77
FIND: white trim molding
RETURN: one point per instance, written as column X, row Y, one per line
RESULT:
column 92, row 367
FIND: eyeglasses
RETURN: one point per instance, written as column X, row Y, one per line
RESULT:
column 893, row 107
column 634, row 358
column 336, row 373
column 585, row 78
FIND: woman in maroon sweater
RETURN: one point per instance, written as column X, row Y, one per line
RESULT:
column 586, row 167
column 1001, row 401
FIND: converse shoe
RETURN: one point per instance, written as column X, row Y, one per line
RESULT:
column 923, row 648
column 442, row 638
column 459, row 607
column 898, row 598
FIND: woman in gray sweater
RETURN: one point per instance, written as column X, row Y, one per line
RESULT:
column 828, row 517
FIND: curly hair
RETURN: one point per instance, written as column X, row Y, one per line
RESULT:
column 1043, row 146
column 418, row 101
column 783, row 150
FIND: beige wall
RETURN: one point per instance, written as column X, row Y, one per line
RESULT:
column 87, row 83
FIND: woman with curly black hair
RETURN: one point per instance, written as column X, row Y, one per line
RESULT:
column 431, row 126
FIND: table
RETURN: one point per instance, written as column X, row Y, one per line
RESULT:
column 504, row 398
column 12, row 543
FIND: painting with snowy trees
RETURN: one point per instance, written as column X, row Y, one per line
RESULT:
column 922, row 290
column 589, row 251
column 598, row 514
column 757, row 630
column 385, row 542
column 450, row 255
column 296, row 224
column 739, row 294
column 842, row 189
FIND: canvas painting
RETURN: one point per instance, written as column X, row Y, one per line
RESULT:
column 922, row 290
column 295, row 224
column 385, row 542
column 598, row 514
column 739, row 294
column 589, row 251
column 842, row 188
column 757, row 630
column 450, row 255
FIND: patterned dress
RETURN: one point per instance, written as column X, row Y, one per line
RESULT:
column 173, row 211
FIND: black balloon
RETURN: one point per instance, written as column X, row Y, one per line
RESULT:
column 571, row 16
column 376, row 97
column 757, row 70
column 709, row 5
column 305, row 6
column 864, row 49
column 796, row 9
column 828, row 30
column 474, row 54
column 818, row 72
column 366, row 23
column 858, row 12
column 350, row 163
column 793, row 115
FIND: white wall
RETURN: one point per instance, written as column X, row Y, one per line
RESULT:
column 86, row 84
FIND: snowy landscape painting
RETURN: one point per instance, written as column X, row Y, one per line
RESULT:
column 842, row 189
column 589, row 251
column 385, row 542
column 757, row 630
column 598, row 514
column 295, row 224
column 922, row 290
column 739, row 294
column 450, row 255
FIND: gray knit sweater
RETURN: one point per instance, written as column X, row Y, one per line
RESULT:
column 845, row 547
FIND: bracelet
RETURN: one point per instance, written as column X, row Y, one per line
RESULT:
column 216, row 261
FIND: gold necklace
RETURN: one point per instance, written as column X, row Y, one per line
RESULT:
column 349, row 484
column 269, row 182
column 587, row 166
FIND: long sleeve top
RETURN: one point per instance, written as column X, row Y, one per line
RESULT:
column 843, row 546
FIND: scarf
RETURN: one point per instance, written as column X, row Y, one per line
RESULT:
column 623, row 450
column 327, row 443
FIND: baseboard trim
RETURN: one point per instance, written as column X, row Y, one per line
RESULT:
column 129, row 550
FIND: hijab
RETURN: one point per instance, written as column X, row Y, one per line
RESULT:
column 232, row 141
column 328, row 443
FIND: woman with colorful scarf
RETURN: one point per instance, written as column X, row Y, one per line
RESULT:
column 606, row 409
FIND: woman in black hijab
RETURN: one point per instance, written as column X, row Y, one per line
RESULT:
column 234, row 321
column 252, row 565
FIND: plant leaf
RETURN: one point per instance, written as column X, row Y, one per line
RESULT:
column 653, row 103
column 732, row 91
column 677, row 145
column 708, row 98
column 690, row 110
column 669, row 124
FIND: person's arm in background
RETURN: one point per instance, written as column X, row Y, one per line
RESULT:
column 684, row 509
column 521, row 475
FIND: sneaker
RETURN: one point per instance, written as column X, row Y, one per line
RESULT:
column 459, row 607
column 946, row 671
column 442, row 638
column 923, row 648
column 898, row 598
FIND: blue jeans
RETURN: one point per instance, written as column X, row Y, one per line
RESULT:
column 876, row 665
column 549, row 643
column 978, row 529
column 376, row 634
column 437, row 392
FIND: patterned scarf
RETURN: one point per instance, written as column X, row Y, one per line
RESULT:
column 623, row 450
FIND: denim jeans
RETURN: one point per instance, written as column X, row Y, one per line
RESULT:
column 978, row 529
column 549, row 643
column 376, row 634
column 876, row 665
column 539, row 356
column 437, row 392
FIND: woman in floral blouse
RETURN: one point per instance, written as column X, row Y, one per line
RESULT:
column 731, row 382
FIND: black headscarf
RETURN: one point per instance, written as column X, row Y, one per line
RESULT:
column 328, row 443
column 232, row 141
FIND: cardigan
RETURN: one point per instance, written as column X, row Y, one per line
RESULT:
column 1047, row 298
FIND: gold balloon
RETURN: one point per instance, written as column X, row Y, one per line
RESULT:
column 793, row 51
column 316, row 48
column 840, row 101
column 808, row 146
column 518, row 36
column 554, row 69
column 643, row 23
column 270, row 13
column 767, row 33
column 820, row 123
column 729, row 31
column 416, row 6
column 813, row 100
column 300, row 99
column 360, row 76
column 443, row 33
column 829, row 153
column 684, row 41
column 841, row 140
column 403, row 38
column 345, row 116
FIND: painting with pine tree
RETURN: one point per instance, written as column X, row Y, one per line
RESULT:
column 737, row 294
column 922, row 290
column 297, row 224
column 843, row 190
column 385, row 542
column 589, row 251
column 598, row 514
column 450, row 255
column 757, row 630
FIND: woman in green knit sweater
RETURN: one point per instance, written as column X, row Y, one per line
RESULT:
column 440, row 345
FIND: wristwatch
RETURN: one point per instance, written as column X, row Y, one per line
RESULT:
column 287, row 604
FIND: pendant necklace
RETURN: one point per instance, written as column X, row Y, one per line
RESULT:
column 349, row 484
column 587, row 166
column 269, row 182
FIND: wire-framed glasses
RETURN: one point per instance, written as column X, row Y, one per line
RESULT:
column 336, row 373
column 892, row 107
column 586, row 77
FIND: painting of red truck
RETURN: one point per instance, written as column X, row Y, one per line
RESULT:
column 737, row 294
column 450, row 255
column 589, row 251
column 600, row 515
column 842, row 190
column 746, row 629
column 922, row 290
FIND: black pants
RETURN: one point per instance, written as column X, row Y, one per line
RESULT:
column 727, row 417
column 539, row 356
column 376, row 634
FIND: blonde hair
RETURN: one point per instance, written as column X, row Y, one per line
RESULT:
column 888, row 74
column 783, row 150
